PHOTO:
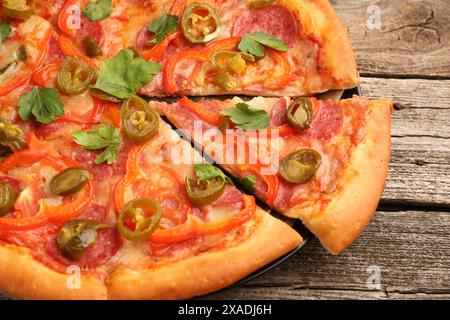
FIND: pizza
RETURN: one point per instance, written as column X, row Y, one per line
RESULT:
column 102, row 195
column 306, row 158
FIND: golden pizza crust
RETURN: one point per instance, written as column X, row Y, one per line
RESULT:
column 319, row 20
column 350, row 211
column 207, row 272
column 24, row 277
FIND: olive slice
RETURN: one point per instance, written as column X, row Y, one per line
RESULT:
column 138, row 219
column 300, row 114
column 91, row 47
column 75, row 76
column 203, row 193
column 17, row 9
column 139, row 123
column 300, row 166
column 200, row 23
column 11, row 138
column 8, row 197
column 78, row 235
column 70, row 181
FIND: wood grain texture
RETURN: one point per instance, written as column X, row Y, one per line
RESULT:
column 414, row 39
column 411, row 249
column 420, row 164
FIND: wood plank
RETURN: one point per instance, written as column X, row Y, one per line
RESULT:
column 414, row 40
column 420, row 165
column 410, row 248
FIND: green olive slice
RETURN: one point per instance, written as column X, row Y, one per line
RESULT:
column 91, row 47
column 11, row 138
column 8, row 197
column 139, row 123
column 70, row 181
column 200, row 23
column 78, row 235
column 300, row 114
column 300, row 166
column 257, row 4
column 138, row 219
column 75, row 76
column 17, row 9
column 203, row 193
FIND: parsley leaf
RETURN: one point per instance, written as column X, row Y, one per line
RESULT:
column 207, row 171
column 245, row 117
column 99, row 10
column 162, row 27
column 253, row 44
column 42, row 103
column 5, row 31
column 124, row 74
column 248, row 182
column 104, row 137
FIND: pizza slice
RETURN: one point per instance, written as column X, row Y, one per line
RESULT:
column 122, row 208
column 324, row 162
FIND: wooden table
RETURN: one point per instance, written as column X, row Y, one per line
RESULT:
column 408, row 60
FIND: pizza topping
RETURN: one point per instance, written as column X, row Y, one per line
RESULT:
column 274, row 20
column 328, row 121
column 228, row 63
column 206, row 192
column 257, row 4
column 99, row 10
column 42, row 103
column 139, row 218
column 246, row 117
column 124, row 74
column 300, row 166
column 78, row 235
column 254, row 44
column 206, row 171
column 91, row 47
column 162, row 27
column 5, row 31
column 104, row 136
column 139, row 122
column 8, row 197
column 200, row 23
column 11, row 139
column 17, row 9
column 248, row 182
column 99, row 94
column 300, row 114
column 70, row 181
column 75, row 76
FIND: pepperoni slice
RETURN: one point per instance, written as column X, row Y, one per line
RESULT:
column 107, row 244
column 274, row 20
column 54, row 53
column 278, row 115
column 328, row 122
column 142, row 39
column 230, row 197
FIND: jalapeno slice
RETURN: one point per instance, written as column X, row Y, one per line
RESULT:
column 11, row 139
column 91, row 47
column 102, row 95
column 75, row 76
column 138, row 219
column 200, row 23
column 8, row 197
column 300, row 166
column 226, row 81
column 203, row 193
column 69, row 181
column 17, row 9
column 78, row 235
column 300, row 114
column 257, row 4
column 139, row 122
column 229, row 61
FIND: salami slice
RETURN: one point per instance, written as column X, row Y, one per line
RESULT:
column 274, row 20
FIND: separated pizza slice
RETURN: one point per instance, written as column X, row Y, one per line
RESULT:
column 324, row 162
column 272, row 48
column 123, row 208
